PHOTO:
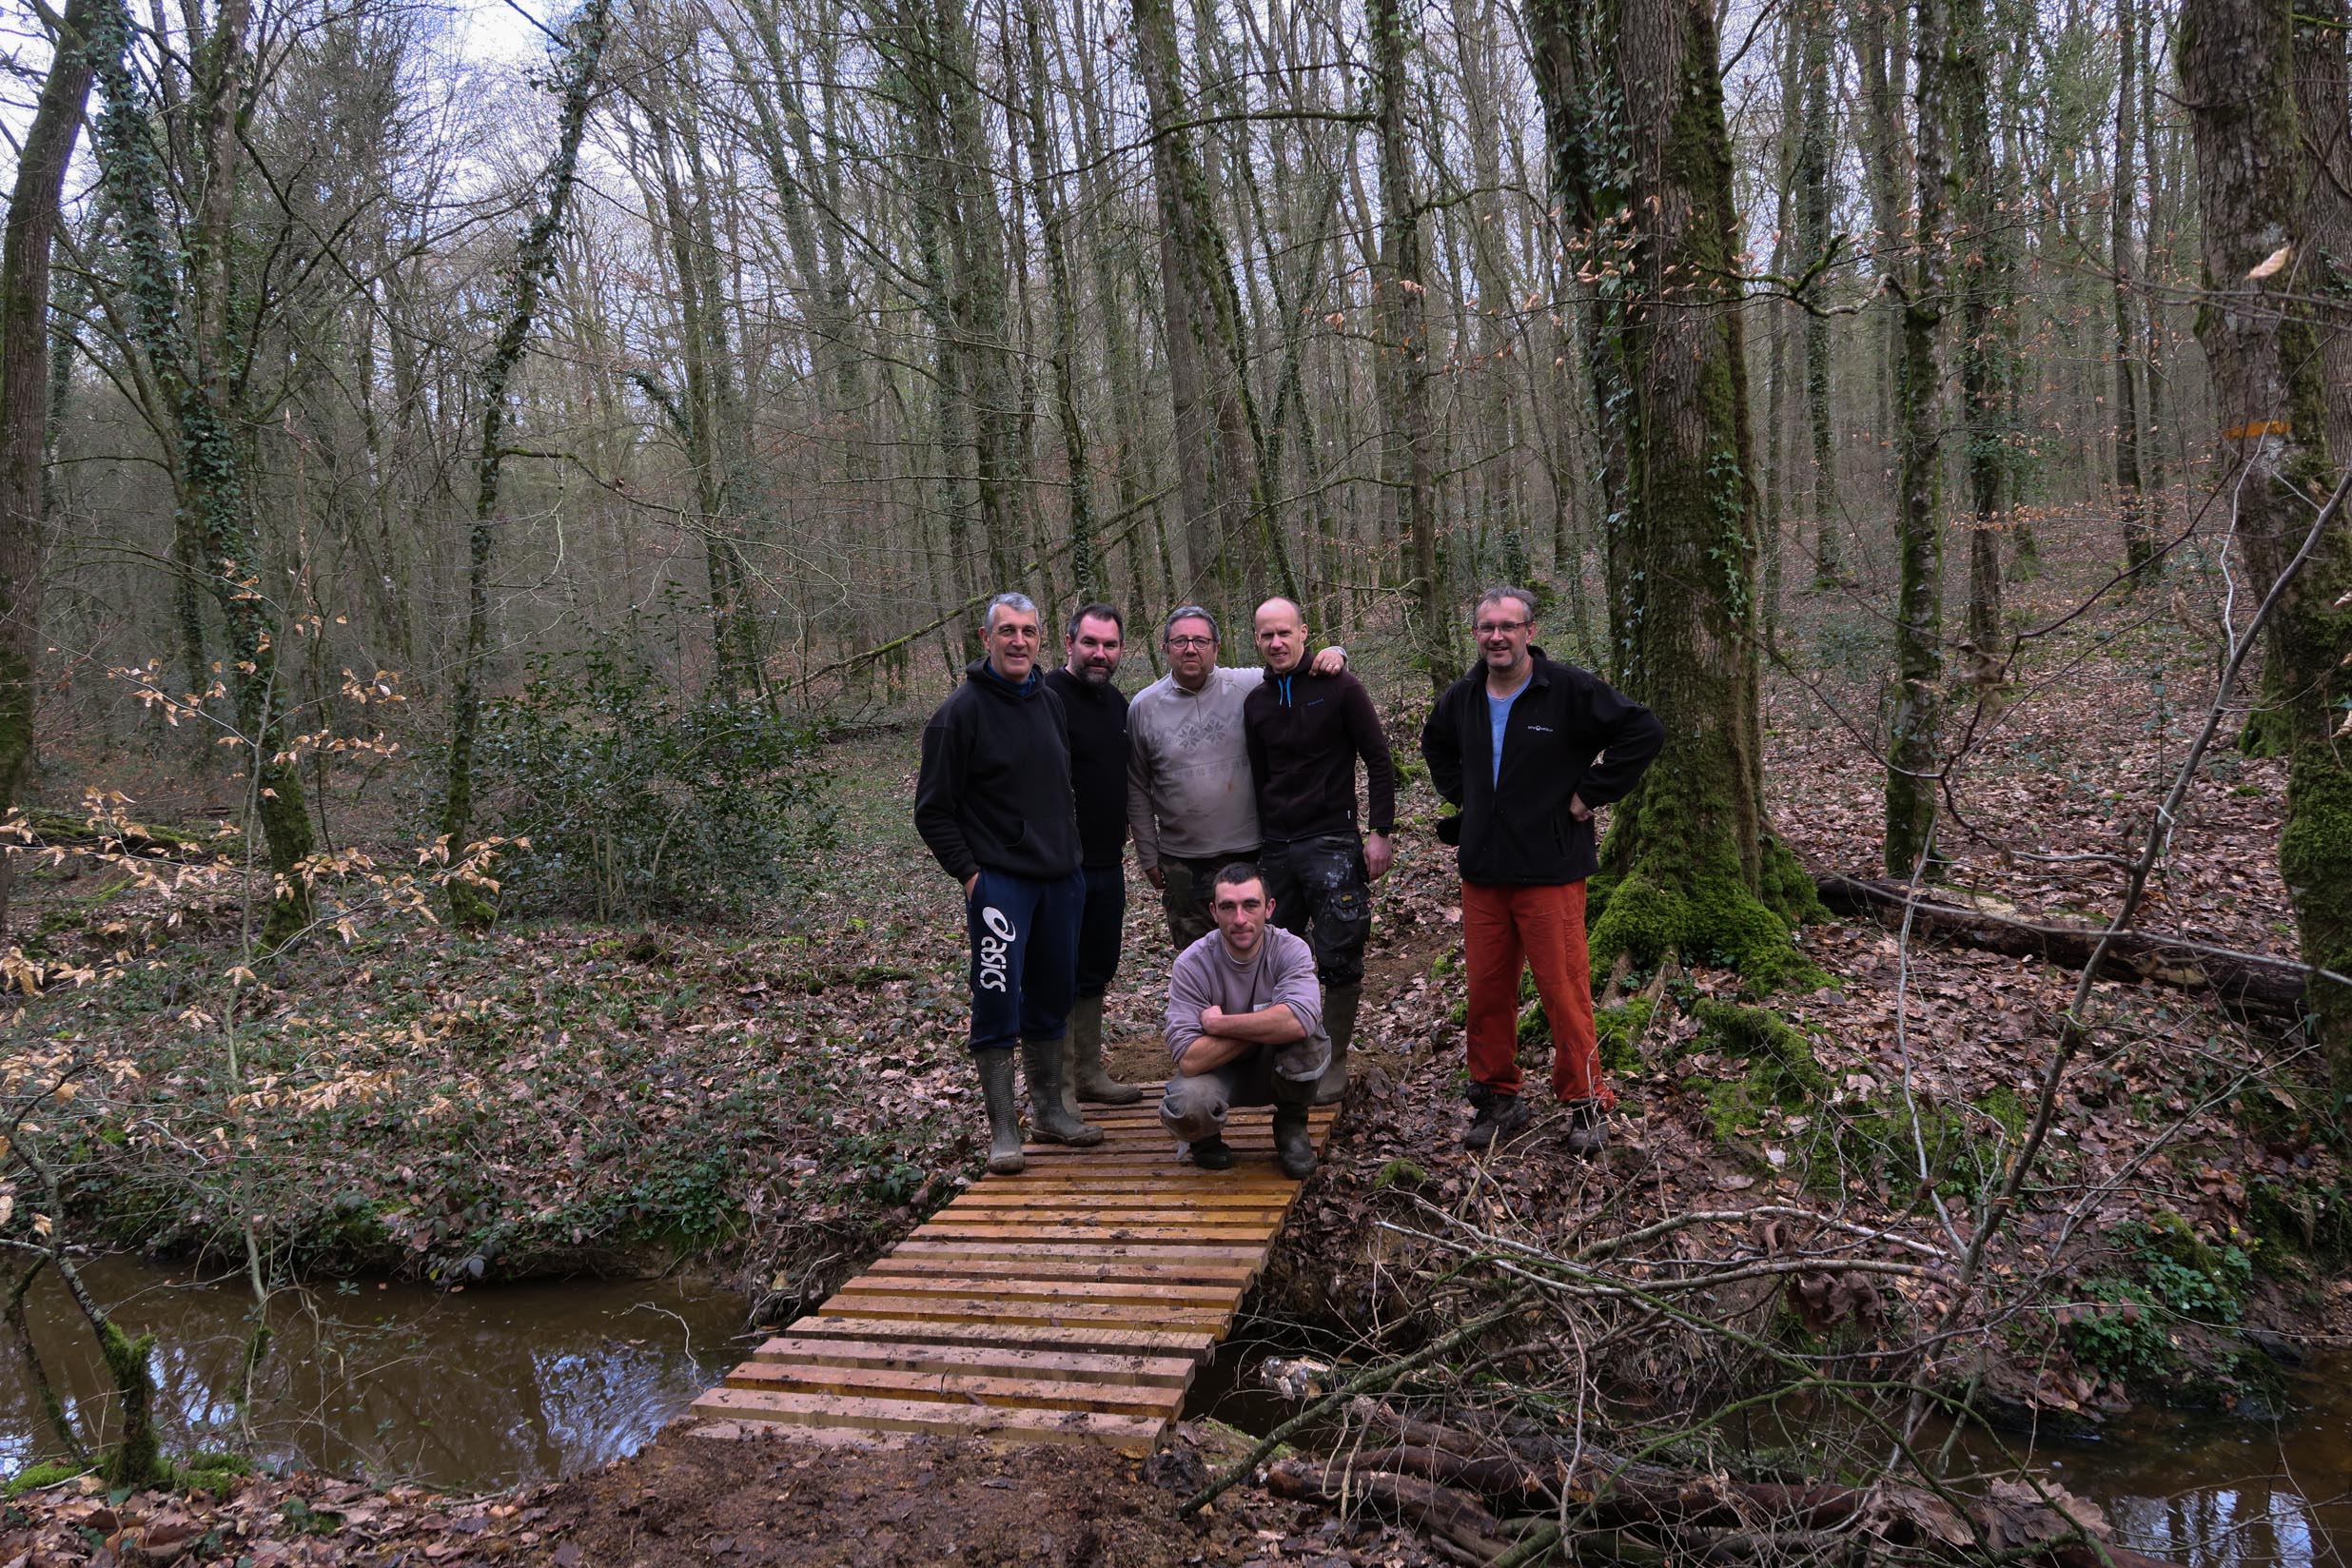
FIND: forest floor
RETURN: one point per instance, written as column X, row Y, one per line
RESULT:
column 787, row 1098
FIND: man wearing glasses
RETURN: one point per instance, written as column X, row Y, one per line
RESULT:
column 1190, row 800
column 1527, row 747
column 1245, row 1023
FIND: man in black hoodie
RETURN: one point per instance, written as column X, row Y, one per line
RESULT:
column 994, row 805
column 1094, row 710
column 1519, row 744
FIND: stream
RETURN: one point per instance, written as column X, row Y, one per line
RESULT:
column 483, row 1388
column 2203, row 1490
column 467, row 1389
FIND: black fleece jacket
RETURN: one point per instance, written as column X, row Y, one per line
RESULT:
column 1095, row 718
column 1304, row 731
column 1518, row 833
column 994, row 790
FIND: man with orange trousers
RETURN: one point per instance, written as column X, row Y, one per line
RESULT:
column 1527, row 747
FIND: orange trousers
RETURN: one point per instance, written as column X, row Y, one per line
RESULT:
column 1542, row 928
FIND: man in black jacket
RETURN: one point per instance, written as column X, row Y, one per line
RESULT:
column 1303, row 732
column 994, row 805
column 1527, row 747
column 1094, row 711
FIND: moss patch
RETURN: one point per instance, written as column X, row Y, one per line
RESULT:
column 1782, row 1067
column 1715, row 922
column 1620, row 1030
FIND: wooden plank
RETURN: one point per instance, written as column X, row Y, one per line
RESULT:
column 1173, row 1372
column 990, row 1309
column 1089, row 1338
column 1022, row 1267
column 1171, row 1254
column 1133, row 1435
column 942, row 1231
column 1013, row 1288
column 1264, row 1220
column 961, row 1387
column 1192, row 1197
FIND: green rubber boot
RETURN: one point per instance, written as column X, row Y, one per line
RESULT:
column 1004, row 1112
column 1048, row 1122
column 1294, row 1146
column 1340, row 1003
column 1083, row 1077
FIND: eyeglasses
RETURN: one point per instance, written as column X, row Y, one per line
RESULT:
column 1501, row 628
column 1192, row 642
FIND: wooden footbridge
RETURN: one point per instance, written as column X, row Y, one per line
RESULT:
column 1071, row 1304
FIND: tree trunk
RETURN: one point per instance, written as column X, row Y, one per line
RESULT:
column 1914, row 763
column 2131, row 509
column 1687, row 864
column 2237, row 64
column 1813, row 230
column 198, row 357
column 535, row 258
column 1981, row 245
column 25, row 394
column 1407, row 345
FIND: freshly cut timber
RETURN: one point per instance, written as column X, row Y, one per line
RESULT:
column 1071, row 1302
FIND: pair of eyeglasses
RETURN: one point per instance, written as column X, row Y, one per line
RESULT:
column 1192, row 642
column 1501, row 628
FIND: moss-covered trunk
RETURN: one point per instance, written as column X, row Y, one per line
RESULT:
column 534, row 260
column 42, row 157
column 1982, row 246
column 2258, row 330
column 1915, row 763
column 1687, row 864
column 1406, row 330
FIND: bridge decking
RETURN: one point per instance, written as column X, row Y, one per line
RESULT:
column 1071, row 1304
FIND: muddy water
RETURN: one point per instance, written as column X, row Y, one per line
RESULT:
column 2199, row 1490
column 476, row 1388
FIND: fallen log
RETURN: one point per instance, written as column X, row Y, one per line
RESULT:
column 1459, row 1484
column 2249, row 980
column 1440, row 1510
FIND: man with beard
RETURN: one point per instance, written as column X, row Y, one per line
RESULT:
column 1244, row 1024
column 994, row 805
column 1189, row 796
column 1095, row 711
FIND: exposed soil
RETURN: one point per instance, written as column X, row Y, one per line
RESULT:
column 690, row 1501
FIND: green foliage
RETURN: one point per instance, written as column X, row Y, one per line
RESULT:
column 633, row 801
column 2188, row 1274
column 2121, row 1336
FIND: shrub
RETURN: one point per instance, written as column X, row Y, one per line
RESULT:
column 632, row 801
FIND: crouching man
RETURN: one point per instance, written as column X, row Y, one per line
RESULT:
column 1245, row 1023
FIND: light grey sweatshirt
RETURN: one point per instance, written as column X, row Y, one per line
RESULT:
column 1282, row 971
column 1189, row 792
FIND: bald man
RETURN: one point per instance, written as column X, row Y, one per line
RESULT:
column 1305, row 732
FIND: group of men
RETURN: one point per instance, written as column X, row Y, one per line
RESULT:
column 1239, row 788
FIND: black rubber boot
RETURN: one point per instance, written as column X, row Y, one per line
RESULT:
column 1004, row 1112
column 1588, row 1128
column 1294, row 1146
column 1048, row 1122
column 1212, row 1153
column 1084, row 1077
column 1340, row 1022
column 1499, row 1117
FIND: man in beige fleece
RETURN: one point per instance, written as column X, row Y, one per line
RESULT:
column 1244, row 1024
